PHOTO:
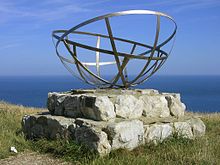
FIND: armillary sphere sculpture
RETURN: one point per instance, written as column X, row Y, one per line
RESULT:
column 153, row 56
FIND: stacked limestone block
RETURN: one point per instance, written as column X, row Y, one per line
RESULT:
column 109, row 119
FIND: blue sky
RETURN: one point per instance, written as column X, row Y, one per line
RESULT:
column 25, row 31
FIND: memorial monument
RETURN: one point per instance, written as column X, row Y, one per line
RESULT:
column 113, row 115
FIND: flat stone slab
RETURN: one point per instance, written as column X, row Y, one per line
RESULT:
column 109, row 104
column 104, row 136
column 46, row 125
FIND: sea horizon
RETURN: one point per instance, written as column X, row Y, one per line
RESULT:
column 200, row 93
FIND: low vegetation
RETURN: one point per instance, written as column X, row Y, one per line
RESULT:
column 10, row 128
column 205, row 150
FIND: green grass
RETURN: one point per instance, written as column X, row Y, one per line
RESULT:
column 205, row 150
column 10, row 128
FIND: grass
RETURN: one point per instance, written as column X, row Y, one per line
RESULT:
column 10, row 128
column 205, row 150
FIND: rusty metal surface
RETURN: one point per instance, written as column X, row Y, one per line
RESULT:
column 154, row 57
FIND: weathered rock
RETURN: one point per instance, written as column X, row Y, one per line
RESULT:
column 102, row 104
column 128, row 107
column 27, row 123
column 177, row 108
column 157, row 132
column 155, row 106
column 71, row 105
column 89, row 106
column 198, row 127
column 126, row 134
column 104, row 136
column 47, row 126
column 64, row 104
column 183, row 129
column 95, row 139
column 55, row 103
column 98, row 108
column 51, row 102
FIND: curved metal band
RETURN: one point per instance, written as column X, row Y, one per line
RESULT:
column 108, row 51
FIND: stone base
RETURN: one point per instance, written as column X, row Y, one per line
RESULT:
column 106, row 120
column 104, row 136
column 107, row 104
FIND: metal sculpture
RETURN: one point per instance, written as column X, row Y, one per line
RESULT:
column 154, row 56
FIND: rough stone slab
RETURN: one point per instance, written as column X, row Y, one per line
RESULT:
column 95, row 139
column 104, row 136
column 128, row 107
column 155, row 106
column 47, row 126
column 64, row 104
column 176, row 107
column 97, row 108
column 71, row 106
column 198, row 127
column 126, row 134
column 157, row 132
column 107, row 104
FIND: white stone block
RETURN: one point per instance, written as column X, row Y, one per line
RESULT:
column 126, row 134
column 155, row 106
column 128, row 107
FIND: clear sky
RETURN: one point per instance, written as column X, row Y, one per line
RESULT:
column 25, row 33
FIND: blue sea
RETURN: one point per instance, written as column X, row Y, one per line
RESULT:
column 199, row 93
